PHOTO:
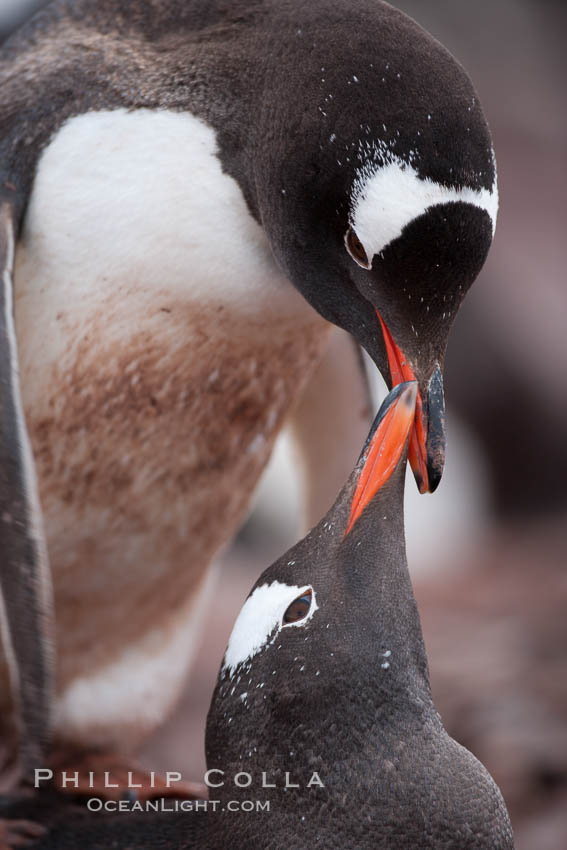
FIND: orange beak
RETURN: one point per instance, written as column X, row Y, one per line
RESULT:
column 385, row 447
column 401, row 371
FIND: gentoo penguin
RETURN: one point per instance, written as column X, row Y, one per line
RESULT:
column 325, row 681
column 181, row 183
column 322, row 707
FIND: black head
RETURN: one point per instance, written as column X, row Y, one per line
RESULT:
column 378, row 188
column 324, row 686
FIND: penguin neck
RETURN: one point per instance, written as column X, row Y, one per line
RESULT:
column 375, row 571
column 363, row 667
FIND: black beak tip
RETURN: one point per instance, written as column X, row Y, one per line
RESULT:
column 434, row 471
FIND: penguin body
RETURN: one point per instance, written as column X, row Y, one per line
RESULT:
column 143, row 469
column 322, row 730
column 173, row 179
column 324, row 690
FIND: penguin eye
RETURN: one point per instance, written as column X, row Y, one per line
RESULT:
column 356, row 249
column 299, row 608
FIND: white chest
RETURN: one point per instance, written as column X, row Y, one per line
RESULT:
column 137, row 202
column 160, row 350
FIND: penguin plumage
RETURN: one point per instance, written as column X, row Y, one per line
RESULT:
column 322, row 730
column 180, row 184
column 336, row 704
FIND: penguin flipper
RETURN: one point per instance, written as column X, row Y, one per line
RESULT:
column 330, row 423
column 25, row 586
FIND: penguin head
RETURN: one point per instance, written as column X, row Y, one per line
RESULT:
column 323, row 701
column 378, row 192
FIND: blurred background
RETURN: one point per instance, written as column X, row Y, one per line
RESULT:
column 488, row 553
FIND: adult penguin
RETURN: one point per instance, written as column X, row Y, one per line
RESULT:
column 180, row 184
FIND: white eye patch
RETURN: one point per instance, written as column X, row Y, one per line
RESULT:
column 387, row 198
column 263, row 612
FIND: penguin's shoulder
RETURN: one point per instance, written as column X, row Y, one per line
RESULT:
column 79, row 57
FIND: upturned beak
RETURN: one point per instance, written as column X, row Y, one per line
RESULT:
column 426, row 452
column 384, row 446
